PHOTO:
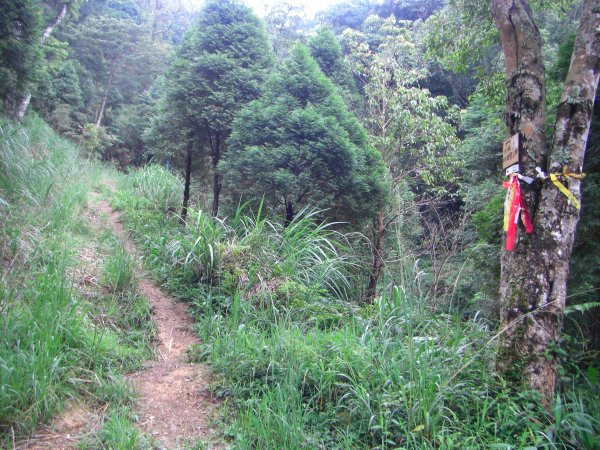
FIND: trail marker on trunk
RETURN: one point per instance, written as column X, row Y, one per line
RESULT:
column 510, row 151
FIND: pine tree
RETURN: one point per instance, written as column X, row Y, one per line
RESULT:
column 220, row 67
column 327, row 52
column 299, row 146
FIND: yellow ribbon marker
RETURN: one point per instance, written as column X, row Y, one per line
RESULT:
column 561, row 187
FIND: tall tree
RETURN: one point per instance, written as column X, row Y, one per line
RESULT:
column 327, row 51
column 299, row 146
column 412, row 130
column 25, row 26
column 219, row 69
column 534, row 275
column 107, row 45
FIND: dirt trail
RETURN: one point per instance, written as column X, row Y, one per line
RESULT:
column 175, row 406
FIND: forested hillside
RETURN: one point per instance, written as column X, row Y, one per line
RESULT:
column 381, row 217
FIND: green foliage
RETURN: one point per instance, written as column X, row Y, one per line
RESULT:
column 60, row 99
column 302, row 367
column 55, row 343
column 413, row 130
column 461, row 33
column 300, row 146
column 162, row 188
column 296, row 263
column 21, row 56
column 96, row 140
column 218, row 69
column 327, row 52
column 285, row 22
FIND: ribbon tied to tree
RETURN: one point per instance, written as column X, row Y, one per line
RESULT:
column 514, row 210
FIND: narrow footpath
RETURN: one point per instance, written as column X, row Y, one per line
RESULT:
column 175, row 405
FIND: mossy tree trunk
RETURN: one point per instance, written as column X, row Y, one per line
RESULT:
column 533, row 283
column 378, row 231
column 188, row 179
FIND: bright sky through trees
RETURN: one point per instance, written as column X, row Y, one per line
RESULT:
column 262, row 7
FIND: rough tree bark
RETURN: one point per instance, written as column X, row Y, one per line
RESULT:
column 216, row 144
column 379, row 230
column 533, row 283
column 26, row 99
column 188, row 179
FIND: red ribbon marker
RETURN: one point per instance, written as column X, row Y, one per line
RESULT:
column 514, row 209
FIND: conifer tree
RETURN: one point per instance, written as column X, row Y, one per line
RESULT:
column 299, row 146
column 220, row 67
column 327, row 52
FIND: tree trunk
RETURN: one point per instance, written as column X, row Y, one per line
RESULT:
column 48, row 30
column 105, row 98
column 379, row 228
column 26, row 99
column 534, row 276
column 217, row 179
column 22, row 108
column 188, row 178
column 289, row 213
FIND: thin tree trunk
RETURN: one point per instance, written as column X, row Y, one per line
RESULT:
column 289, row 213
column 26, row 99
column 22, row 108
column 379, row 228
column 217, row 181
column 534, row 276
column 48, row 30
column 105, row 98
column 188, row 178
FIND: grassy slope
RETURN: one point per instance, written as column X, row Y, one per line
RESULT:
column 301, row 366
column 304, row 368
column 59, row 343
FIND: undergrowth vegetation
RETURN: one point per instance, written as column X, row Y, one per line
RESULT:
column 307, row 367
column 58, row 341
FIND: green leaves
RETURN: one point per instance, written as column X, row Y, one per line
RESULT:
column 298, row 146
column 220, row 67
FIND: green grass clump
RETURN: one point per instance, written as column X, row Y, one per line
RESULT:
column 42, row 346
column 118, row 432
column 119, row 268
column 57, row 344
column 162, row 188
column 307, row 367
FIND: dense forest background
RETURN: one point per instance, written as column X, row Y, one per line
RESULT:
column 379, row 123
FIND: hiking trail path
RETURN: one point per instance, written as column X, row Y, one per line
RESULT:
column 174, row 405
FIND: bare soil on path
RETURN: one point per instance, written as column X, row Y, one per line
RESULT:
column 175, row 405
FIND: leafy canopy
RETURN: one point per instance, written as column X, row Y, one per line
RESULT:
column 299, row 146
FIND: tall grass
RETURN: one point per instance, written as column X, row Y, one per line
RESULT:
column 42, row 345
column 306, row 367
column 119, row 268
column 33, row 161
column 159, row 186
column 55, row 343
